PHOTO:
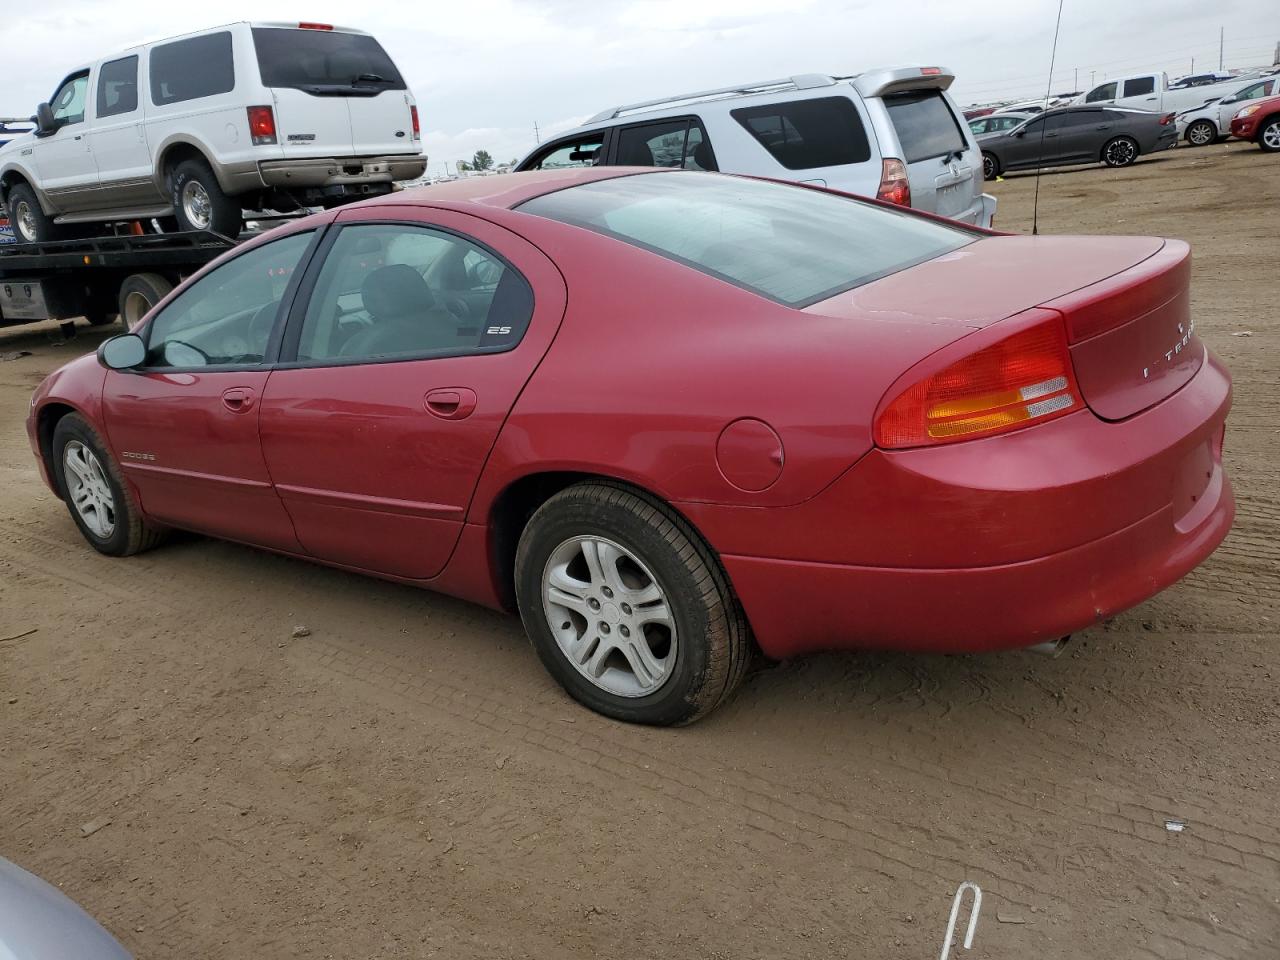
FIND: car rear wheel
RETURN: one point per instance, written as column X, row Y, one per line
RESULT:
column 200, row 204
column 1120, row 152
column 627, row 607
column 1201, row 133
column 95, row 491
column 1269, row 135
column 990, row 167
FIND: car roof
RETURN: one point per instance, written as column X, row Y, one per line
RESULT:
column 507, row 190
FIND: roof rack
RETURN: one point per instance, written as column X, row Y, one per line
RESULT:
column 802, row 81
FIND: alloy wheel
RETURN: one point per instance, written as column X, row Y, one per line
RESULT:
column 1271, row 135
column 610, row 616
column 196, row 204
column 25, row 219
column 1201, row 133
column 1121, row 153
column 88, row 489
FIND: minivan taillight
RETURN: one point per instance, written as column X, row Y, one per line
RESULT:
column 894, row 185
column 413, row 117
column 1022, row 380
column 262, row 126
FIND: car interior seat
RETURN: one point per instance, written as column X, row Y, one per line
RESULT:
column 405, row 317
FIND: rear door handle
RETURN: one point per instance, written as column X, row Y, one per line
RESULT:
column 237, row 399
column 450, row 403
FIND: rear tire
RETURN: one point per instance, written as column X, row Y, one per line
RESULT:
column 100, row 319
column 96, row 493
column 673, row 657
column 990, row 167
column 1269, row 135
column 139, row 294
column 199, row 202
column 30, row 223
column 1202, row 133
column 1120, row 152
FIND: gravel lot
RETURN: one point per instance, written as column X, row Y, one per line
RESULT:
column 405, row 781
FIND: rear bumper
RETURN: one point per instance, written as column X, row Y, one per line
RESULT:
column 340, row 171
column 988, row 213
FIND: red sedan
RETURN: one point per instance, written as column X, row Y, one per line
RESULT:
column 669, row 416
column 1259, row 122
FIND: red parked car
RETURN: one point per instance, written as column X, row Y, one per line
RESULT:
column 668, row 415
column 1259, row 122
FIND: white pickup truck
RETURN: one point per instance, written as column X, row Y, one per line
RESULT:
column 1151, row 91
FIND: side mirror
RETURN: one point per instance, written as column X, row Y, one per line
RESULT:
column 44, row 121
column 1019, row 133
column 123, row 352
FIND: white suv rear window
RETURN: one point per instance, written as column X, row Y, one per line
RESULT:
column 324, row 62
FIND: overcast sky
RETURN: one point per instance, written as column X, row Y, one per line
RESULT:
column 485, row 71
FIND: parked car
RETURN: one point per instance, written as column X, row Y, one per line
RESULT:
column 39, row 922
column 11, row 127
column 667, row 414
column 893, row 134
column 997, row 123
column 1259, row 122
column 1212, row 122
column 1152, row 91
column 204, row 126
column 1067, row 135
column 1201, row 79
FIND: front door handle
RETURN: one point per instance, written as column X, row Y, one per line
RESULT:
column 450, row 403
column 237, row 399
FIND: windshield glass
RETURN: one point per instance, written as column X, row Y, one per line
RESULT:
column 788, row 243
column 323, row 59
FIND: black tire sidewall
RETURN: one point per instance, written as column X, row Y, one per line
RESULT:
column 44, row 226
column 995, row 166
column 1262, row 143
column 1128, row 163
column 149, row 285
column 72, row 427
column 677, row 699
column 225, row 215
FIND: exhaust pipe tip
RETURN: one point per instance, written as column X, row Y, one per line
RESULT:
column 1051, row 648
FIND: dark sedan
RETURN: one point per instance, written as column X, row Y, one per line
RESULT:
column 1111, row 135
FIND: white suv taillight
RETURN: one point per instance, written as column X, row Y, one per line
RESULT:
column 262, row 126
column 894, row 185
column 413, row 116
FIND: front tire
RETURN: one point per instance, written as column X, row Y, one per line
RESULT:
column 1120, row 152
column 199, row 202
column 1269, row 135
column 1201, row 133
column 627, row 607
column 97, row 496
column 29, row 221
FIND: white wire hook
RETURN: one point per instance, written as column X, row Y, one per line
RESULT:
column 955, row 913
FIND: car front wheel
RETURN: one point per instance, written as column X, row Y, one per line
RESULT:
column 627, row 607
column 29, row 221
column 1201, row 133
column 1269, row 135
column 990, row 167
column 1120, row 152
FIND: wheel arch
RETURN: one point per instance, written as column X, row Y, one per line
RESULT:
column 15, row 175
column 173, row 152
column 47, row 419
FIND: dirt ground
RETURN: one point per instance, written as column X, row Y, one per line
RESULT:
column 406, row 781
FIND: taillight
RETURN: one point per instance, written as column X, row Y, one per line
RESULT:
column 1167, row 119
column 1019, row 381
column 894, row 185
column 413, row 118
column 262, row 126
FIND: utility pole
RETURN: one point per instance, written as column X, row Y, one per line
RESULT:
column 537, row 137
column 1193, row 66
column 1221, row 34
column 1091, row 73
column 1075, row 82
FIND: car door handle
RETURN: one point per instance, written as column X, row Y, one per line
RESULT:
column 1103, row 126
column 450, row 403
column 237, row 399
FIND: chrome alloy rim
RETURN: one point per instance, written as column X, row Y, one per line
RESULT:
column 196, row 204
column 26, row 221
column 1200, row 133
column 989, row 167
column 610, row 616
column 1271, row 135
column 1121, row 152
column 89, row 490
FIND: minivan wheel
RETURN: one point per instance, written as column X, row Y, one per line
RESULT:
column 1120, row 152
column 1201, row 133
column 30, row 223
column 990, row 167
column 1269, row 135
column 627, row 607
column 200, row 204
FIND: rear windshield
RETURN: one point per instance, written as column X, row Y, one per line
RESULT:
column 925, row 124
column 791, row 244
column 324, row 61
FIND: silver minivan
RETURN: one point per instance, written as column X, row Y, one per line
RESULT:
column 894, row 134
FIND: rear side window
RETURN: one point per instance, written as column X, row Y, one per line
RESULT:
column 1139, row 86
column 191, row 69
column 804, row 134
column 567, row 154
column 787, row 243
column 925, row 124
column 680, row 143
column 324, row 62
column 118, row 87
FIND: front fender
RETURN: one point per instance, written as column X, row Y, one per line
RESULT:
column 74, row 387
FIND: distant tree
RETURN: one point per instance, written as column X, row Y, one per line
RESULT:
column 463, row 165
column 482, row 160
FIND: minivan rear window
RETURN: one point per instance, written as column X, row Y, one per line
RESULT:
column 803, row 134
column 324, row 62
column 191, row 69
column 926, row 125
column 788, row 243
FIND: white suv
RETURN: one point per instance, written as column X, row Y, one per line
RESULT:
column 262, row 116
column 893, row 134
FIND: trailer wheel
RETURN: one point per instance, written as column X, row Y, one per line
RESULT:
column 139, row 294
column 30, row 224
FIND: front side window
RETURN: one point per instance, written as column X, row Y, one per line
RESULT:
column 805, row 134
column 193, row 68
column 793, row 245
column 1105, row 92
column 567, row 154
column 226, row 316
column 393, row 291
column 1139, row 86
column 325, row 62
column 926, row 125
column 68, row 102
column 118, row 87
column 680, row 143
